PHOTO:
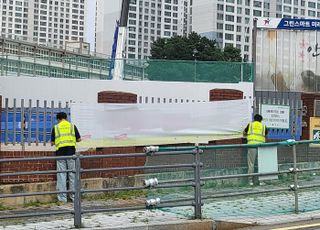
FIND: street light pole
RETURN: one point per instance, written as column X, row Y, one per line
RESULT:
column 195, row 51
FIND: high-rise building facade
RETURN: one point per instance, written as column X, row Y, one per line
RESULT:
column 148, row 20
column 230, row 22
column 48, row 22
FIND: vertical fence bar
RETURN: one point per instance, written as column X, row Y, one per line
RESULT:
column 37, row 123
column 7, row 121
column 45, row 123
column 22, row 126
column 197, row 185
column 77, row 193
column 7, row 65
column 14, row 122
column 295, row 177
column 52, row 114
column 29, row 121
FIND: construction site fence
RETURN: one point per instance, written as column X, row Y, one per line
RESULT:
column 197, row 181
column 82, row 67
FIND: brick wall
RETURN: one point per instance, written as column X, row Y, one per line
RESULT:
column 45, row 165
column 26, row 166
column 225, row 94
column 116, row 97
column 308, row 100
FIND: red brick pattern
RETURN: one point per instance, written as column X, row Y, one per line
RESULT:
column 225, row 94
column 45, row 165
column 26, row 166
column 116, row 97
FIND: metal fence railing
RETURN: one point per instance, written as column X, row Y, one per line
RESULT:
column 197, row 179
column 91, row 67
column 25, row 122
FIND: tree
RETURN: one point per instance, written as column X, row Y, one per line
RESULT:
column 232, row 54
column 192, row 47
column 189, row 51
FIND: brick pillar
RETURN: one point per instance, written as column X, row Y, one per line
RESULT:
column 116, row 97
column 225, row 94
column 308, row 101
column 119, row 97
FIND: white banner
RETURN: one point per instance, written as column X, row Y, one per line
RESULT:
column 103, row 125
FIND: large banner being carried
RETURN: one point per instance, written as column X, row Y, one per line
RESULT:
column 104, row 125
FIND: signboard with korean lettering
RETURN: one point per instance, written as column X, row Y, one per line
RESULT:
column 288, row 55
column 276, row 116
column 314, row 129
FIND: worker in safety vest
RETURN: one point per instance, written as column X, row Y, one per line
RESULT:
column 64, row 136
column 256, row 133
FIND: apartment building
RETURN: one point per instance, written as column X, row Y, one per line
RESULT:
column 46, row 22
column 148, row 20
column 230, row 22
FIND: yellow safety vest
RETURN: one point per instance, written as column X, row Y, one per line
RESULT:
column 256, row 133
column 64, row 134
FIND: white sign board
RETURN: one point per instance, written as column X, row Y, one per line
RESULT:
column 276, row 116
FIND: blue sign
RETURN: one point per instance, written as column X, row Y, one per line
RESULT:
column 299, row 24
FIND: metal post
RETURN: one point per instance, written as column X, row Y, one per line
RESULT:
column 37, row 122
column 77, row 193
column 197, row 184
column 22, row 125
column 14, row 121
column 241, row 72
column 195, row 70
column 295, row 177
column 6, row 128
column 29, row 122
column 254, row 57
column 45, row 123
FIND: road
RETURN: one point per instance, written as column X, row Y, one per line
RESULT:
column 310, row 225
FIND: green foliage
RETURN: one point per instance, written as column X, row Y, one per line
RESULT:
column 195, row 59
column 4, row 208
column 193, row 47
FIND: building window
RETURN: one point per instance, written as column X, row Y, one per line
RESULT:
column 311, row 13
column 229, row 18
column 287, row 9
column 220, row 26
column 230, row 9
column 257, row 4
column 312, row 5
column 228, row 36
column 229, row 27
column 257, row 13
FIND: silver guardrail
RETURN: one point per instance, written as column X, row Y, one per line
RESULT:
column 153, row 183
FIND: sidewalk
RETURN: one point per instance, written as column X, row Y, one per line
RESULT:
column 263, row 210
column 135, row 220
